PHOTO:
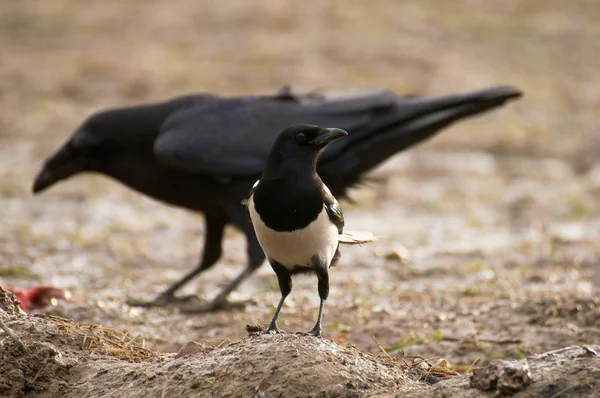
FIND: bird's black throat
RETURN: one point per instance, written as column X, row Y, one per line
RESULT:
column 289, row 203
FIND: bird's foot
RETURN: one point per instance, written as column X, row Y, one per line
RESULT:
column 257, row 330
column 213, row 306
column 272, row 329
column 189, row 304
column 164, row 301
column 316, row 332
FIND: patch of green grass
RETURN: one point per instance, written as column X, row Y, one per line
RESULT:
column 474, row 266
column 577, row 208
column 351, row 285
column 435, row 336
column 471, row 291
column 208, row 382
column 360, row 301
column 341, row 327
column 271, row 287
column 20, row 272
column 495, row 355
column 476, row 223
column 9, row 191
column 415, row 338
column 518, row 353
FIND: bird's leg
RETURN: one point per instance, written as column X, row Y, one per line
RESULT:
column 323, row 285
column 256, row 257
column 285, row 286
column 273, row 324
column 316, row 330
column 215, row 227
column 221, row 298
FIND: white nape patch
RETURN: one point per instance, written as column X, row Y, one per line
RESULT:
column 255, row 184
column 326, row 189
column 298, row 247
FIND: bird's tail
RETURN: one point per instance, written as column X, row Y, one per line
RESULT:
column 356, row 237
column 410, row 121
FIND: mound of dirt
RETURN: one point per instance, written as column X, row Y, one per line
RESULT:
column 62, row 358
column 8, row 302
column 48, row 356
column 569, row 372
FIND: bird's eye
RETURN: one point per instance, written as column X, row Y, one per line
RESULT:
column 301, row 137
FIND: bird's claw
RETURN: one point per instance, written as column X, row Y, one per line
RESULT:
column 210, row 306
column 163, row 301
column 190, row 304
column 312, row 332
column 274, row 330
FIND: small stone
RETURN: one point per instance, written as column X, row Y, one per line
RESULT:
column 504, row 377
column 590, row 351
column 337, row 391
column 254, row 329
column 189, row 348
column 514, row 378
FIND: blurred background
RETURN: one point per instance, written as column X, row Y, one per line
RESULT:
column 500, row 212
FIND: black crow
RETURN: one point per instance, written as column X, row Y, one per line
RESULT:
column 203, row 152
column 296, row 219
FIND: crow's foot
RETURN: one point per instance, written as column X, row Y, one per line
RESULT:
column 213, row 306
column 164, row 301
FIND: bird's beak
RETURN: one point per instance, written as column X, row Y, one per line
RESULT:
column 61, row 165
column 326, row 136
column 43, row 180
column 49, row 176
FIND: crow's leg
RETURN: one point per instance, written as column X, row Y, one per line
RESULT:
column 213, row 238
column 256, row 257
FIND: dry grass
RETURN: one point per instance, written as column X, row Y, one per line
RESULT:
column 92, row 339
column 98, row 340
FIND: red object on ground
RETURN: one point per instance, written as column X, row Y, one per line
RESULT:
column 38, row 297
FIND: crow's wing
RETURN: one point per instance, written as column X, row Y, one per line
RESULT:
column 135, row 127
column 234, row 136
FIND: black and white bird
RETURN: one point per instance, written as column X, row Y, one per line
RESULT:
column 296, row 218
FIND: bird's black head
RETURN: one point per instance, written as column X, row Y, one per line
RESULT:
column 107, row 137
column 78, row 154
column 313, row 138
column 301, row 144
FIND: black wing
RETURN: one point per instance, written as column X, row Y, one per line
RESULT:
column 334, row 211
column 138, row 126
column 234, row 136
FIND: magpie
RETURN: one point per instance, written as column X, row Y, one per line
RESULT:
column 296, row 219
column 203, row 152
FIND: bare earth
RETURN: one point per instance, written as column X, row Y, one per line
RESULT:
column 489, row 235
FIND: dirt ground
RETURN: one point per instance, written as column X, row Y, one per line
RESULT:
column 489, row 234
column 48, row 356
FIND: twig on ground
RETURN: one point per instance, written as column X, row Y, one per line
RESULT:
column 12, row 335
column 382, row 349
column 470, row 368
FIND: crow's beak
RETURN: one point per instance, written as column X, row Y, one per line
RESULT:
column 43, row 180
column 51, row 173
column 326, row 136
column 63, row 164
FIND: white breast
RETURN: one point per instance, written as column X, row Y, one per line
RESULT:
column 297, row 247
